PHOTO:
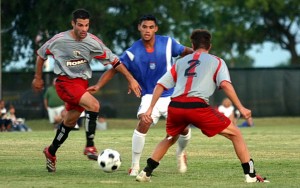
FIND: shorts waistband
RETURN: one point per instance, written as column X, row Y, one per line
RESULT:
column 64, row 78
column 188, row 105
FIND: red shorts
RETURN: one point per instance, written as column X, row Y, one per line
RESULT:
column 70, row 91
column 195, row 111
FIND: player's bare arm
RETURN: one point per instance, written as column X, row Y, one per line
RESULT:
column 186, row 51
column 132, row 83
column 104, row 79
column 231, row 94
column 38, row 82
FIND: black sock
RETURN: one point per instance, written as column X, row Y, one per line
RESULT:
column 151, row 165
column 90, row 127
column 249, row 168
column 61, row 135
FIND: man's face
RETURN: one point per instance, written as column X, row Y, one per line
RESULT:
column 2, row 104
column 147, row 29
column 81, row 28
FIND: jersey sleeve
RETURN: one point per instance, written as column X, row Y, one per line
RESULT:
column 103, row 53
column 222, row 74
column 168, row 80
column 44, row 51
column 126, row 58
column 177, row 48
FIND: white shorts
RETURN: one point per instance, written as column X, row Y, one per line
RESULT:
column 54, row 111
column 160, row 108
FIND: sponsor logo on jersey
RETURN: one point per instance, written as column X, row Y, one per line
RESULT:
column 152, row 66
column 76, row 53
column 76, row 62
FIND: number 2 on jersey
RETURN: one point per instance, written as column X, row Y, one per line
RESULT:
column 190, row 74
column 190, row 71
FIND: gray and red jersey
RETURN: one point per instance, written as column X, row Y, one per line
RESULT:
column 196, row 75
column 72, row 57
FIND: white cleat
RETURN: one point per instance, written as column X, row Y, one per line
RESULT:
column 133, row 172
column 142, row 177
column 256, row 179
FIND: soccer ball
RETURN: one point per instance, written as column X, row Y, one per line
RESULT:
column 109, row 160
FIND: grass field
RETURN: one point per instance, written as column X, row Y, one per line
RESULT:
column 274, row 144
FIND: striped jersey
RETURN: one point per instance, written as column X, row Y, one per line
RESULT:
column 148, row 67
column 196, row 75
column 72, row 57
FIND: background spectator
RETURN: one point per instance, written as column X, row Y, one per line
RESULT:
column 15, row 124
column 3, row 123
column 248, row 123
column 58, row 119
column 53, row 104
column 228, row 110
column 101, row 123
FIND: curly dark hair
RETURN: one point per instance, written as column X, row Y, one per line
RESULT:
column 201, row 38
column 80, row 14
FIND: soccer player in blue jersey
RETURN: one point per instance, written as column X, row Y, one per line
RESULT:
column 147, row 60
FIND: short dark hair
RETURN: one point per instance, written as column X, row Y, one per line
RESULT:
column 148, row 17
column 201, row 38
column 80, row 14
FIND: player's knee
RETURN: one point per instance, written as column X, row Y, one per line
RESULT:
column 94, row 107
column 70, row 123
column 171, row 139
column 143, row 127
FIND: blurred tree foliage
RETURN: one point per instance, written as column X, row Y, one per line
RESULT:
column 236, row 25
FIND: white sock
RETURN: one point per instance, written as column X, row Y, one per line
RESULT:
column 183, row 141
column 138, row 142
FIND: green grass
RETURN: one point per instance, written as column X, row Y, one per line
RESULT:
column 274, row 144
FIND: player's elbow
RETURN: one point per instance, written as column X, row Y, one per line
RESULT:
column 161, row 87
column 225, row 85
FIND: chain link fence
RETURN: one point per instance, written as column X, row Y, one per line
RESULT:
column 267, row 92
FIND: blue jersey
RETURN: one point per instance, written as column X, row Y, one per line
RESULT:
column 148, row 67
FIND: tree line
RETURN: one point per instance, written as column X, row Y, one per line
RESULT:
column 236, row 25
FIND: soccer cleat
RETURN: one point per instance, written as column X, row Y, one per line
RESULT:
column 91, row 152
column 142, row 177
column 256, row 179
column 133, row 172
column 50, row 160
column 182, row 162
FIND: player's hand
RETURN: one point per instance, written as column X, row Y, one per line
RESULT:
column 246, row 113
column 134, row 86
column 37, row 84
column 146, row 117
column 93, row 89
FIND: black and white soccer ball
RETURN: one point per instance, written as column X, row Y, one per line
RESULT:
column 109, row 160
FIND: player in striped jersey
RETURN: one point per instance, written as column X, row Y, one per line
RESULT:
column 195, row 78
column 73, row 51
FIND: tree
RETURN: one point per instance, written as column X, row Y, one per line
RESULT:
column 280, row 24
column 236, row 25
column 244, row 23
column 24, row 20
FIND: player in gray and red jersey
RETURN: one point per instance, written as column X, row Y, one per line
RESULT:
column 195, row 78
column 73, row 51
